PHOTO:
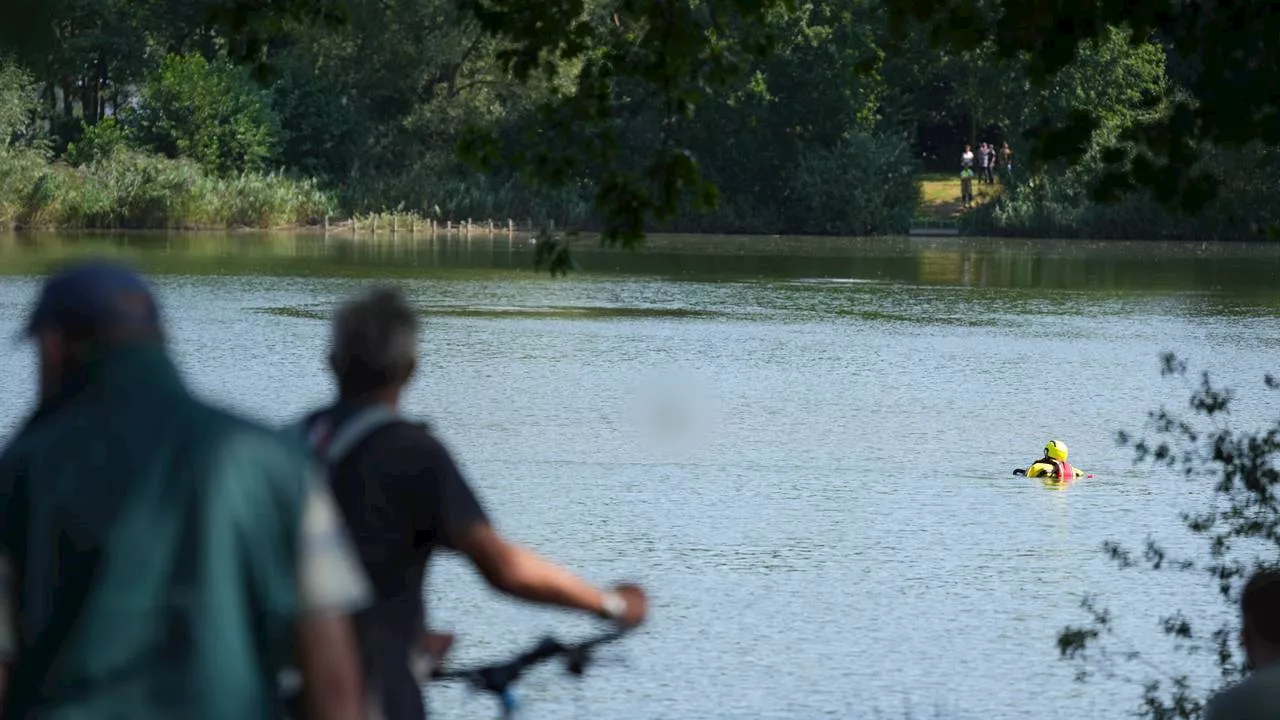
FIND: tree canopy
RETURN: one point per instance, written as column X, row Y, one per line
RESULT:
column 737, row 115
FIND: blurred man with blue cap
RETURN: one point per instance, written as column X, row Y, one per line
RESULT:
column 161, row 558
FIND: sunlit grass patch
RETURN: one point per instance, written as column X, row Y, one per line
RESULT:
column 940, row 195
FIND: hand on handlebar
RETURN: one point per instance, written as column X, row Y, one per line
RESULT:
column 437, row 645
column 429, row 655
column 637, row 605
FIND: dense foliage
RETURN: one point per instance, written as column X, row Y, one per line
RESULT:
column 210, row 113
column 103, row 181
column 713, row 115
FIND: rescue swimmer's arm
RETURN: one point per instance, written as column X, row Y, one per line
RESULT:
column 523, row 573
column 332, row 584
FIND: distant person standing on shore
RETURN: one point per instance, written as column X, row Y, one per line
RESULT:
column 966, row 158
column 1006, row 158
column 986, row 162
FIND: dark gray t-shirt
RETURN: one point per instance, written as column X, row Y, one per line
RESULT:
column 402, row 496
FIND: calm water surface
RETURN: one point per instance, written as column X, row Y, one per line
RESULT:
column 801, row 446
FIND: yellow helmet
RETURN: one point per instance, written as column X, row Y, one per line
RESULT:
column 1056, row 450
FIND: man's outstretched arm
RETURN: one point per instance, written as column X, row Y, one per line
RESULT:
column 520, row 572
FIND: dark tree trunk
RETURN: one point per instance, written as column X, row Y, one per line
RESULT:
column 68, row 95
column 88, row 91
column 51, row 98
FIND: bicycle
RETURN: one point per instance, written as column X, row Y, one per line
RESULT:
column 498, row 678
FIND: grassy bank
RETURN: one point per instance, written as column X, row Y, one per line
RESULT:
column 136, row 190
column 940, row 196
column 126, row 188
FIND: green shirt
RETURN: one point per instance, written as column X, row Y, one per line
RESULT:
column 161, row 552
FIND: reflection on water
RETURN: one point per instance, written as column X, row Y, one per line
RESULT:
column 995, row 263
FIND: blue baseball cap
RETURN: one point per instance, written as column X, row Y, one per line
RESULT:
column 94, row 296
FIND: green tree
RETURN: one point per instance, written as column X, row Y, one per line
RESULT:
column 212, row 113
column 18, row 103
column 22, row 150
column 814, row 93
column 320, row 133
column 1222, row 51
column 1123, row 87
column 384, row 102
column 656, row 107
column 668, row 56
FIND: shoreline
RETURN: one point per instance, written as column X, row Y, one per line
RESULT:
column 938, row 215
column 686, row 242
column 376, row 224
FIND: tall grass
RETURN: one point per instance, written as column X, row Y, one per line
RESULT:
column 131, row 189
column 458, row 196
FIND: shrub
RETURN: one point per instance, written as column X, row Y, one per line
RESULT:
column 96, row 142
column 864, row 185
column 211, row 113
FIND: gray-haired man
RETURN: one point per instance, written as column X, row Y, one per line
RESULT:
column 402, row 496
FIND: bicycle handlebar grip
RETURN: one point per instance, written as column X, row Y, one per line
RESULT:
column 510, row 703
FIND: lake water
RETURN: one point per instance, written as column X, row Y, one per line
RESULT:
column 802, row 447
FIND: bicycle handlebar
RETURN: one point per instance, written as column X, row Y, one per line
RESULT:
column 498, row 678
